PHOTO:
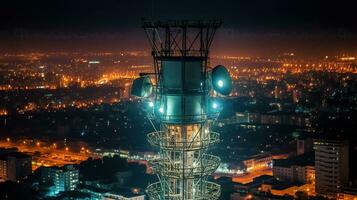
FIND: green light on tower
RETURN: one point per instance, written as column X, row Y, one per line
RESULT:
column 220, row 83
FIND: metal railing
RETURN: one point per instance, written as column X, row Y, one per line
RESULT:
column 171, row 168
column 183, row 119
column 165, row 140
column 208, row 191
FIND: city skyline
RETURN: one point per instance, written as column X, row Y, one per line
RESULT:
column 94, row 107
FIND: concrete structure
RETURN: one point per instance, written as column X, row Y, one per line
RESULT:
column 15, row 166
column 106, row 194
column 285, row 188
column 304, row 145
column 258, row 161
column 61, row 178
column 111, row 196
column 347, row 193
column 332, row 166
column 3, row 170
column 296, row 169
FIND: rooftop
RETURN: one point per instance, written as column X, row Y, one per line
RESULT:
column 307, row 159
column 18, row 155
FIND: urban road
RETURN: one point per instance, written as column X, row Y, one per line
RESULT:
column 44, row 155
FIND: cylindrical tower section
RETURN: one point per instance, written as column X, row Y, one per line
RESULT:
column 185, row 115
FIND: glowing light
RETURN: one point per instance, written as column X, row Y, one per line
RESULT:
column 93, row 62
column 161, row 109
column 151, row 104
column 220, row 83
column 136, row 190
column 214, row 105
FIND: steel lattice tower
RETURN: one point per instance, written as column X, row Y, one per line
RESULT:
column 182, row 104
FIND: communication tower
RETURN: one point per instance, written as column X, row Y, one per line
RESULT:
column 182, row 96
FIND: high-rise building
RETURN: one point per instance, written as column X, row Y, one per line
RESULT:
column 61, row 178
column 3, row 170
column 300, row 168
column 304, row 145
column 296, row 96
column 15, row 166
column 277, row 92
column 182, row 100
column 332, row 166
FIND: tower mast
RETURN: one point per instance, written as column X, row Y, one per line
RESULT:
column 182, row 105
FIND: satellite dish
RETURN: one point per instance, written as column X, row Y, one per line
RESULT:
column 221, row 80
column 141, row 87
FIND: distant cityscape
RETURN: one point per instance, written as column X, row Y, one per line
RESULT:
column 69, row 128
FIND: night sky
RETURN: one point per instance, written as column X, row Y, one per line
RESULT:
column 253, row 27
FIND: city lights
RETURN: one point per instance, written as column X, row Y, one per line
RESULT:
column 90, row 110
column 282, row 81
